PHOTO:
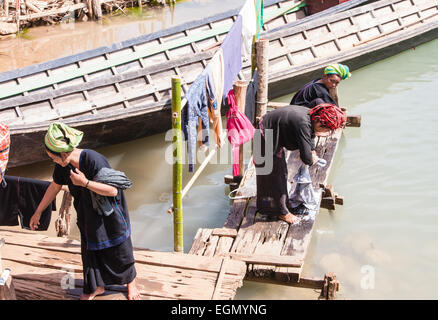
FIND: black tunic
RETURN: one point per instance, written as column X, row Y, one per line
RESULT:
column 107, row 253
column 292, row 129
column 312, row 94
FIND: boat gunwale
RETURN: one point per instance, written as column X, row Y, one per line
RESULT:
column 165, row 104
column 55, row 93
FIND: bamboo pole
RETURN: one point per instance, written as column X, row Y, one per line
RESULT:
column 262, row 47
column 177, row 166
column 239, row 89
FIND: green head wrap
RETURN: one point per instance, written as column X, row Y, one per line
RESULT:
column 341, row 70
column 62, row 138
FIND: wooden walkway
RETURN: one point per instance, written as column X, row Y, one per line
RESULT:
column 50, row 268
column 274, row 251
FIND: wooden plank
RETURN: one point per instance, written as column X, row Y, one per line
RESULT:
column 36, row 245
column 270, row 260
column 220, row 279
column 224, row 232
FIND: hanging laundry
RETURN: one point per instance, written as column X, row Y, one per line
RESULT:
column 232, row 52
column 215, row 84
column 20, row 198
column 240, row 129
column 196, row 109
column 5, row 142
column 249, row 28
column 303, row 199
column 251, row 93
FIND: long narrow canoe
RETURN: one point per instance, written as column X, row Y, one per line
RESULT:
column 122, row 92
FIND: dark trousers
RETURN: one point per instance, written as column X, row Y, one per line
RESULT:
column 272, row 195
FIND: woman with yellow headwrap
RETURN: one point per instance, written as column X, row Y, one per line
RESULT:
column 106, row 247
column 318, row 91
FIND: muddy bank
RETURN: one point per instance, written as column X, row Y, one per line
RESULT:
column 18, row 14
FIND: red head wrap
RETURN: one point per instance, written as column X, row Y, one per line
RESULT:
column 330, row 115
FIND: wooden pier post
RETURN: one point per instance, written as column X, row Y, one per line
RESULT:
column 62, row 224
column 239, row 89
column 262, row 48
column 97, row 9
column 177, row 165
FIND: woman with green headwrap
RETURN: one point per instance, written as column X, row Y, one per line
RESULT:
column 318, row 91
column 106, row 247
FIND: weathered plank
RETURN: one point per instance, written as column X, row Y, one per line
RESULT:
column 42, row 265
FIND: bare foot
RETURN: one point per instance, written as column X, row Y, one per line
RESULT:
column 99, row 291
column 289, row 218
column 133, row 293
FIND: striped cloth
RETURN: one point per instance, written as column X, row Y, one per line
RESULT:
column 330, row 115
column 340, row 69
column 5, row 141
column 62, row 138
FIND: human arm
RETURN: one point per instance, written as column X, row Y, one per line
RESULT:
column 48, row 197
column 79, row 179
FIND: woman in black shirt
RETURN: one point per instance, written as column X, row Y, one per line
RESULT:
column 318, row 91
column 106, row 247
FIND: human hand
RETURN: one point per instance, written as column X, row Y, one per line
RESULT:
column 78, row 178
column 34, row 221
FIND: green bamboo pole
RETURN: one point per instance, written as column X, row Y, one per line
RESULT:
column 177, row 166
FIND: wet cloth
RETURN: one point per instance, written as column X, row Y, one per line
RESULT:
column 215, row 85
column 232, row 49
column 113, row 178
column 19, row 200
column 98, row 231
column 5, row 142
column 292, row 129
column 310, row 92
column 62, row 138
column 196, row 109
column 303, row 196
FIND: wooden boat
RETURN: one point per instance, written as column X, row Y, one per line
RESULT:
column 122, row 92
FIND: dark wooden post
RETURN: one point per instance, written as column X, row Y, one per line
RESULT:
column 331, row 285
column 262, row 49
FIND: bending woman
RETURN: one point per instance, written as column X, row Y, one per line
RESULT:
column 106, row 247
column 293, row 128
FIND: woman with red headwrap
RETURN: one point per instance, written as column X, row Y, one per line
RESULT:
column 293, row 128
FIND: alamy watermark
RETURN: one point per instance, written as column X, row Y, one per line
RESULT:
column 368, row 280
column 262, row 151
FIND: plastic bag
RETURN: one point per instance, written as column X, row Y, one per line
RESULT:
column 303, row 197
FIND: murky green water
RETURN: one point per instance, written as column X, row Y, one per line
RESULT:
column 382, row 244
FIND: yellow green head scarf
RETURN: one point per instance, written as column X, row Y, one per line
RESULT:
column 340, row 69
column 62, row 138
